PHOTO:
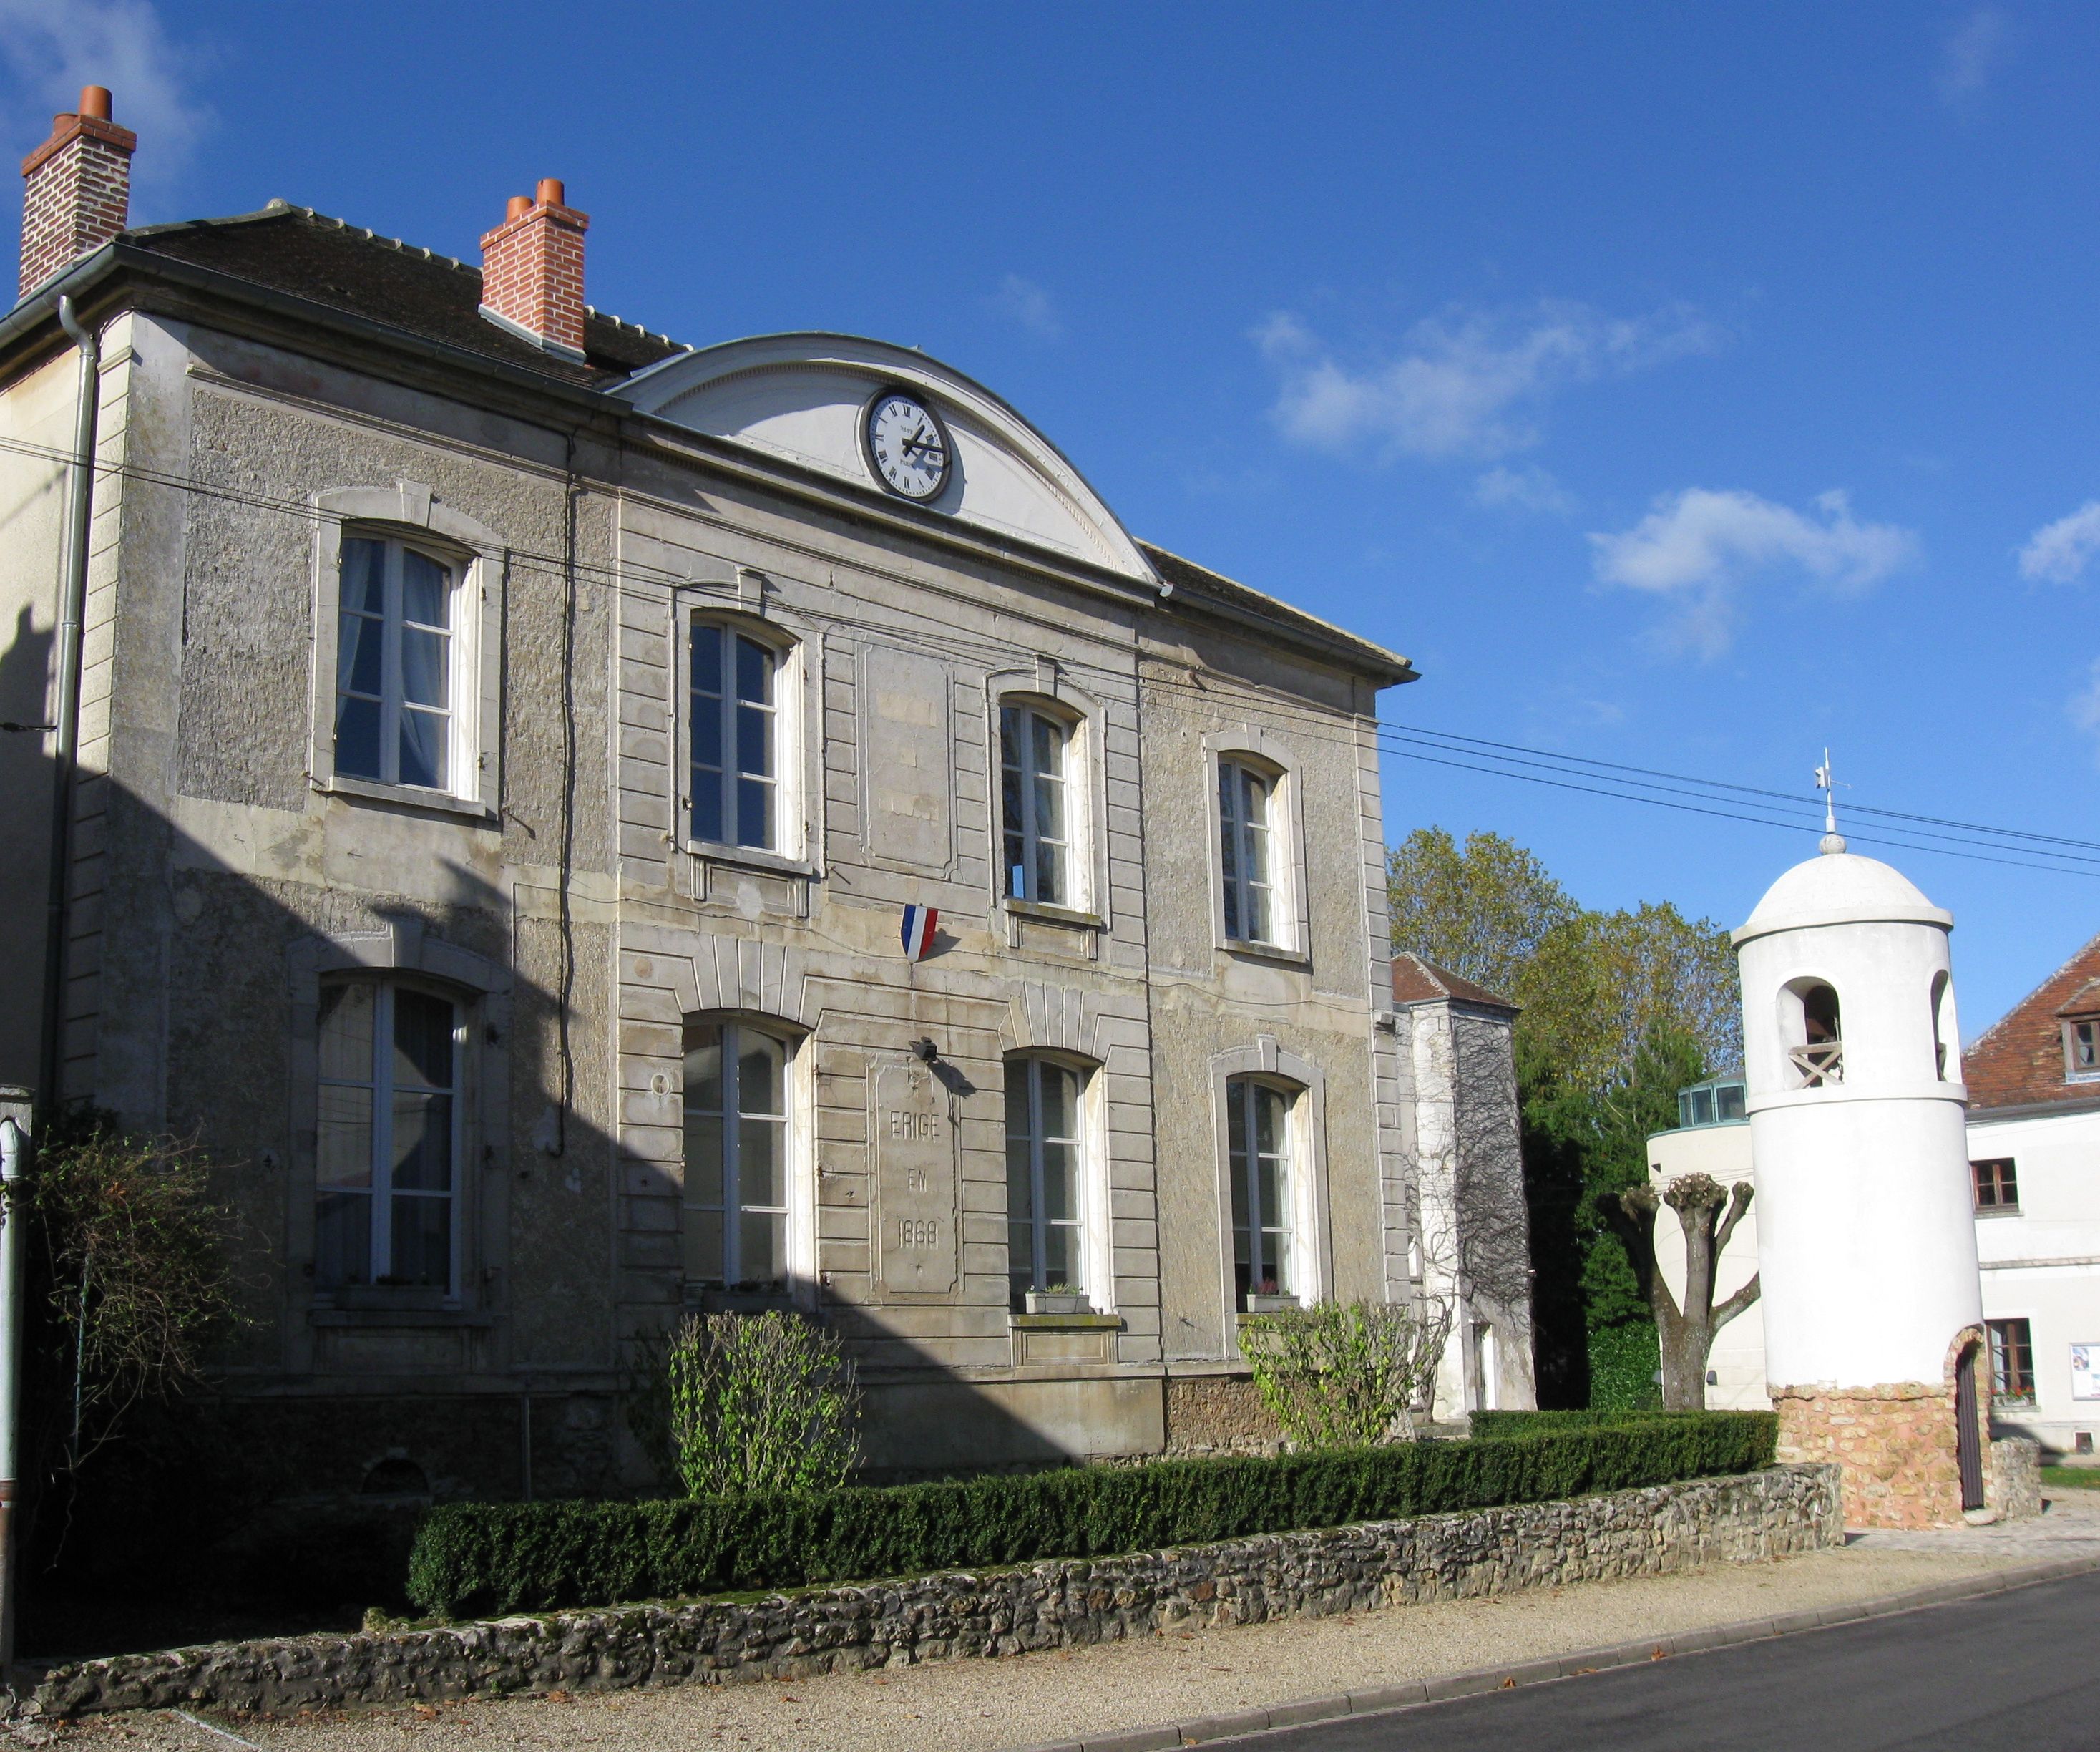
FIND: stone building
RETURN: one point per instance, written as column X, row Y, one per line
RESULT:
column 585, row 827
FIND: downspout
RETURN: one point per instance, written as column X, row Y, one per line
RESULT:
column 65, row 718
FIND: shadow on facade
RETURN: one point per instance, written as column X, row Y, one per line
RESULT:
column 282, row 1491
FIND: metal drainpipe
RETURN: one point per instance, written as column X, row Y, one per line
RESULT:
column 80, row 500
column 12, row 1215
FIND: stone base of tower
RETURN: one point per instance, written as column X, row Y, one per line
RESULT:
column 1893, row 1445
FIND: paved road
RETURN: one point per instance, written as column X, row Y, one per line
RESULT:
column 2018, row 1671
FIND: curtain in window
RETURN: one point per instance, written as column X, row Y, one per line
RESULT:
column 736, row 1154
column 1043, row 1157
column 1257, row 1134
column 394, row 666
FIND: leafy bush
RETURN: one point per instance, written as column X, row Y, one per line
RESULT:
column 1342, row 1375
column 761, row 1402
column 493, row 1558
column 1623, row 1361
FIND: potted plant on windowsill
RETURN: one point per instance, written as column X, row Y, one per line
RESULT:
column 1058, row 1299
column 1264, row 1298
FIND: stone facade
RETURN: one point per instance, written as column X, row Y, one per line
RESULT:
column 2015, row 1478
column 1219, row 1413
column 1895, row 1446
column 1489, row 1552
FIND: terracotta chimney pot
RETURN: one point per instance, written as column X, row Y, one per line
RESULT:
column 77, row 189
column 532, row 271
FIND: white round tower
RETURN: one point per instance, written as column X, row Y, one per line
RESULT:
column 1866, row 1227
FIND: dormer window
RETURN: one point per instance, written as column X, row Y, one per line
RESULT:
column 2081, row 1049
column 1816, row 1047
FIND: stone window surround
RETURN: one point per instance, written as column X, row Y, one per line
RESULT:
column 1307, row 1085
column 1047, row 689
column 1096, row 1196
column 408, row 511
column 797, row 702
column 1264, row 751
column 481, row 990
column 799, row 1134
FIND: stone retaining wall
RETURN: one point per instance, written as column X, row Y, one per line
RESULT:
column 2015, row 1487
column 1775, row 1513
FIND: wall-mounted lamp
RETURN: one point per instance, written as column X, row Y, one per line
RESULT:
column 924, row 1050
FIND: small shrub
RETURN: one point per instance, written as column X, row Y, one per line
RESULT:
column 760, row 1402
column 1344, row 1374
column 492, row 1558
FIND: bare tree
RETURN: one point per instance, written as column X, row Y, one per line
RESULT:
column 1685, row 1334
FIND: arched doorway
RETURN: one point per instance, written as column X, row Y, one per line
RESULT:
column 1968, row 1446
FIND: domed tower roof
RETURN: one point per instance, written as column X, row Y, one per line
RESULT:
column 1838, row 887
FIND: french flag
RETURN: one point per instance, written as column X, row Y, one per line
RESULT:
column 918, row 931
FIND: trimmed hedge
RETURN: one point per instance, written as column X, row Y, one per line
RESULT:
column 483, row 1559
column 1500, row 1426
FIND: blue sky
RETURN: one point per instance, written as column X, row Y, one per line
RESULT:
column 1688, row 386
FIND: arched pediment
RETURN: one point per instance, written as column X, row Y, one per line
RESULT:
column 801, row 397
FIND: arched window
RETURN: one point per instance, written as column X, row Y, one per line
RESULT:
column 1946, row 1039
column 1261, row 1172
column 387, row 1136
column 736, row 743
column 1246, row 839
column 1817, row 1046
column 1045, row 1180
column 397, row 670
column 1035, row 803
column 736, row 1154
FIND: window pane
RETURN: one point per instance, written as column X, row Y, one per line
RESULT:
column 1049, row 808
column 423, row 748
column 765, row 1240
column 1269, row 1189
column 1049, row 875
column 1236, row 1117
column 423, row 1039
column 423, row 1143
column 1060, row 1182
column 760, row 1177
column 1020, row 1258
column 342, row 1143
column 1060, row 1256
column 1257, row 915
column 761, row 1073
column 1016, row 1097
column 704, row 1160
column 705, row 1260
column 1279, row 1262
column 754, row 741
column 1020, row 1182
column 704, row 1068
column 346, row 1031
column 357, row 738
column 707, row 805
column 423, row 1242
column 424, row 656
column 706, row 731
column 343, row 1238
column 706, row 658
column 363, row 576
column 1049, row 745
column 425, row 590
column 754, row 813
column 1268, row 1119
column 1061, row 1101
column 357, row 646
column 754, row 672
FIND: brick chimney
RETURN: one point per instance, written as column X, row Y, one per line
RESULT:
column 532, row 271
column 77, row 189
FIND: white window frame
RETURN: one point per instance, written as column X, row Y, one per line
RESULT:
column 1243, row 1097
column 381, row 1086
column 791, row 744
column 1046, row 689
column 798, row 1169
column 1028, row 714
column 1266, row 1061
column 1269, row 757
column 408, row 513
column 1091, row 1267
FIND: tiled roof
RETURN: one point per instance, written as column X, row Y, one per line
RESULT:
column 295, row 250
column 1418, row 980
column 2018, row 1061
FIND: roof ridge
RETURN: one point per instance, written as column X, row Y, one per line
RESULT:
column 2041, row 985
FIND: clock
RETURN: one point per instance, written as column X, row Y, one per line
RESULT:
column 907, row 446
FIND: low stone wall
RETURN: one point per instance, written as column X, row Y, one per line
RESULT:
column 2015, row 1484
column 1631, row 1532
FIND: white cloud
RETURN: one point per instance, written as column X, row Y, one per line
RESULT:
column 2058, row 551
column 1971, row 53
column 1466, row 383
column 1697, row 548
column 1527, row 489
column 53, row 49
column 1028, row 304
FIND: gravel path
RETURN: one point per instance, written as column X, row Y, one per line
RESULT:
column 988, row 1705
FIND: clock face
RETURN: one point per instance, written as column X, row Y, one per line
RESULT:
column 907, row 447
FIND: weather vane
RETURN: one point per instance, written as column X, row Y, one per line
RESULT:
column 1833, row 841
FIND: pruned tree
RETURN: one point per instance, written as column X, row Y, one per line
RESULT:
column 1708, row 1213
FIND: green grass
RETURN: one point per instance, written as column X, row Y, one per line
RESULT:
column 2071, row 1477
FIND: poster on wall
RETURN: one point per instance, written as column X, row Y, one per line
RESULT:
column 2085, row 1371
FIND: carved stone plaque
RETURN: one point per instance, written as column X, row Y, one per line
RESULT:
column 917, row 1249
column 908, row 760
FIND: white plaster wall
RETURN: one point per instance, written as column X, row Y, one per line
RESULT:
column 1863, row 1187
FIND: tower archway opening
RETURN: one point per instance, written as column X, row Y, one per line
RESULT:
column 1813, row 1022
